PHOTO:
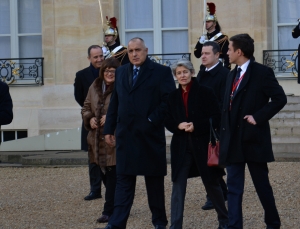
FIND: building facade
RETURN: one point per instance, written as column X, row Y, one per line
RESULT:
column 60, row 31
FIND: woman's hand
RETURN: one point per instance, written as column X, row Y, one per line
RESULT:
column 93, row 123
column 186, row 126
column 102, row 120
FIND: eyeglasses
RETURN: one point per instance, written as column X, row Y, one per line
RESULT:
column 110, row 71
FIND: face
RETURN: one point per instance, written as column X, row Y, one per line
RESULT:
column 137, row 52
column 109, row 39
column 109, row 75
column 233, row 55
column 96, row 57
column 210, row 25
column 208, row 57
column 183, row 75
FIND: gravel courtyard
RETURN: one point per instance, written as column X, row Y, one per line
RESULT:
column 37, row 197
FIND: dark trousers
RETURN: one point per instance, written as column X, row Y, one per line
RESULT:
column 179, row 190
column 109, row 180
column 235, row 182
column 124, row 195
column 95, row 177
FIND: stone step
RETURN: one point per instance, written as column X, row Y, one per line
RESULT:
column 285, row 139
column 285, row 131
column 278, row 123
column 291, row 107
column 293, row 99
column 287, row 115
column 286, row 148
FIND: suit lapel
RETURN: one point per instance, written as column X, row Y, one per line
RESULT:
column 89, row 76
column 127, row 81
column 145, row 71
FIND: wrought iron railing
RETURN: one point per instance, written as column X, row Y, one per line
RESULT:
column 282, row 61
column 22, row 71
column 169, row 58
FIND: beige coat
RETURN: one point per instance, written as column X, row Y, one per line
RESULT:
column 96, row 105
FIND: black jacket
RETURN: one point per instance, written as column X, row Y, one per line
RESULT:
column 296, row 31
column 83, row 80
column 136, row 115
column 259, row 95
column 202, row 104
column 223, row 42
column 6, row 106
column 121, row 55
column 215, row 79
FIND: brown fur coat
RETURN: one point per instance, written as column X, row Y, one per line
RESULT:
column 96, row 105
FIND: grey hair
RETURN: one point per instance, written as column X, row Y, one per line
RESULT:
column 138, row 38
column 182, row 63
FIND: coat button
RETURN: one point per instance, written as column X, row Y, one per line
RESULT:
column 238, row 126
column 240, row 108
column 224, row 110
column 223, row 128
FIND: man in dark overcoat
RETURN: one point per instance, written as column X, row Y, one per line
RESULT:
column 296, row 34
column 6, row 106
column 136, row 114
column 252, row 97
column 84, row 79
column 213, row 75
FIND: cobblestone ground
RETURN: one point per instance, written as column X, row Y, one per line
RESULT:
column 35, row 197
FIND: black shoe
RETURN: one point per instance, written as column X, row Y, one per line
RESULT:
column 93, row 196
column 208, row 204
column 160, row 227
column 223, row 226
column 103, row 219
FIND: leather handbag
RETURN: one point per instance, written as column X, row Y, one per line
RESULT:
column 213, row 149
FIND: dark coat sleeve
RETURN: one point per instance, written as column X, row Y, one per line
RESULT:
column 274, row 91
column 198, row 50
column 167, row 85
column 296, row 31
column 79, row 89
column 6, row 112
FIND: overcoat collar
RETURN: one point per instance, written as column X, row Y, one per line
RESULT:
column 144, row 72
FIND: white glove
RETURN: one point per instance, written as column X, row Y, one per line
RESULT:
column 202, row 39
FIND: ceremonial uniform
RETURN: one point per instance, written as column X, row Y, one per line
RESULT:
column 222, row 40
column 119, row 52
column 296, row 34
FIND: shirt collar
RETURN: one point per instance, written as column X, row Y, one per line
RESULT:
column 208, row 69
column 244, row 67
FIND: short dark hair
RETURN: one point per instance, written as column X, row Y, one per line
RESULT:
column 93, row 47
column 108, row 63
column 215, row 46
column 243, row 42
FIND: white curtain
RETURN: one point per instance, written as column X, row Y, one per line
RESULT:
column 139, row 14
column 4, row 29
column 174, row 13
column 288, row 12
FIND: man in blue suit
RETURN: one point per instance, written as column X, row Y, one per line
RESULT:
column 136, row 115
column 6, row 112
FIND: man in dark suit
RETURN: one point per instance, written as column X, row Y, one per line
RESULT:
column 6, row 106
column 296, row 34
column 84, row 79
column 214, row 75
column 252, row 97
column 136, row 114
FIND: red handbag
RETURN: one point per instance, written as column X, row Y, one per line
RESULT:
column 213, row 150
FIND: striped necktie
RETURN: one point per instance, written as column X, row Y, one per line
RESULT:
column 135, row 74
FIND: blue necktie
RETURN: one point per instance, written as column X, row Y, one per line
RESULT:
column 238, row 74
column 135, row 74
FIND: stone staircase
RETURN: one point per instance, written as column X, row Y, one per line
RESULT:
column 285, row 127
column 285, row 130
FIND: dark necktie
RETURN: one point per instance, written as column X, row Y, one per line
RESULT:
column 135, row 74
column 238, row 74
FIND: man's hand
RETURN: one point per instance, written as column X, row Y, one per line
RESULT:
column 110, row 140
column 93, row 123
column 102, row 120
column 250, row 119
column 202, row 39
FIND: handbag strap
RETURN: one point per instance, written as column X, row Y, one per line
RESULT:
column 212, row 131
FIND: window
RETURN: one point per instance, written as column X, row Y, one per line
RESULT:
column 285, row 15
column 20, row 29
column 163, row 24
column 9, row 135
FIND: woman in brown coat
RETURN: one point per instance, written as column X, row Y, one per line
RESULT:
column 94, row 115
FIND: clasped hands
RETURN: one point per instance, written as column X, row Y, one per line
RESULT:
column 186, row 126
column 93, row 122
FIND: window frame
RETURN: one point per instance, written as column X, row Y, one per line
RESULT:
column 14, row 34
column 157, row 26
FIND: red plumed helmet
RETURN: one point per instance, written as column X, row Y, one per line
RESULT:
column 211, row 12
